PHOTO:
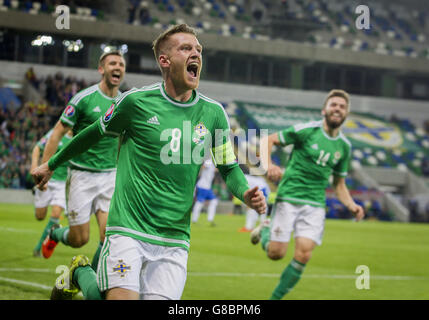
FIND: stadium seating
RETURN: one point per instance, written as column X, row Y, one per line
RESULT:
column 409, row 153
column 24, row 124
column 397, row 30
column 78, row 9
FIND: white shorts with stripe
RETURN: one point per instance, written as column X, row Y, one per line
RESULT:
column 303, row 220
column 149, row 269
column 88, row 192
column 55, row 195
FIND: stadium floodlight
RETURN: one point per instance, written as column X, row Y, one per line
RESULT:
column 73, row 45
column 123, row 48
column 42, row 40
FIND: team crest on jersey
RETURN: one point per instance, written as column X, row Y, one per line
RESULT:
column 121, row 268
column 337, row 156
column 69, row 111
column 109, row 113
column 200, row 131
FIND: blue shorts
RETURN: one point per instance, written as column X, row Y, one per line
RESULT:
column 205, row 194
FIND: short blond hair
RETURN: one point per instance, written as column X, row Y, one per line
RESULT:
column 337, row 93
column 163, row 37
column 110, row 53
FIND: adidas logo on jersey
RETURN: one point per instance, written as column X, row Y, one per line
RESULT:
column 96, row 109
column 154, row 120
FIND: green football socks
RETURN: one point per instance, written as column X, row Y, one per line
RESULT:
column 61, row 235
column 50, row 223
column 86, row 279
column 265, row 237
column 94, row 262
column 288, row 279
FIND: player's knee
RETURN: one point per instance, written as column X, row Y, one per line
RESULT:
column 275, row 254
column 78, row 242
column 40, row 213
column 303, row 256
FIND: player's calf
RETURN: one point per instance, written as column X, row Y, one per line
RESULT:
column 78, row 235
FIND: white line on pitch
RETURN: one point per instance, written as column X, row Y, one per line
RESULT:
column 320, row 276
column 31, row 284
column 254, row 275
column 26, row 270
column 3, row 229
column 26, row 283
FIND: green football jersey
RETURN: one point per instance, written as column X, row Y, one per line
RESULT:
column 82, row 110
column 164, row 142
column 60, row 173
column 314, row 158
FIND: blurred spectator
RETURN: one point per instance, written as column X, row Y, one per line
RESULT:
column 30, row 75
column 132, row 10
column 22, row 127
column 144, row 16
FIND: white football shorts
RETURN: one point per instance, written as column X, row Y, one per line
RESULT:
column 149, row 269
column 87, row 192
column 55, row 195
column 303, row 220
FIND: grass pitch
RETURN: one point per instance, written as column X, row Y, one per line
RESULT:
column 224, row 265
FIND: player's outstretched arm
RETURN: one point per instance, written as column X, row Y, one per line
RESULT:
column 344, row 196
column 35, row 156
column 57, row 134
column 274, row 173
column 79, row 144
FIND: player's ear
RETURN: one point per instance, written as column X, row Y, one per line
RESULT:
column 164, row 61
column 100, row 69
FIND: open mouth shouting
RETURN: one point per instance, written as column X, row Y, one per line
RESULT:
column 116, row 76
column 192, row 69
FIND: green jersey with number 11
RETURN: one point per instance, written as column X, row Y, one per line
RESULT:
column 164, row 142
column 314, row 158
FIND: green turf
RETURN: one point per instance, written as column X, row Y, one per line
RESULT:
column 224, row 265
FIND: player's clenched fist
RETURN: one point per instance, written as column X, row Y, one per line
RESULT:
column 274, row 173
column 41, row 175
column 255, row 199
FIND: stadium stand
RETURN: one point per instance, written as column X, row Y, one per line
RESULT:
column 79, row 9
column 384, row 137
